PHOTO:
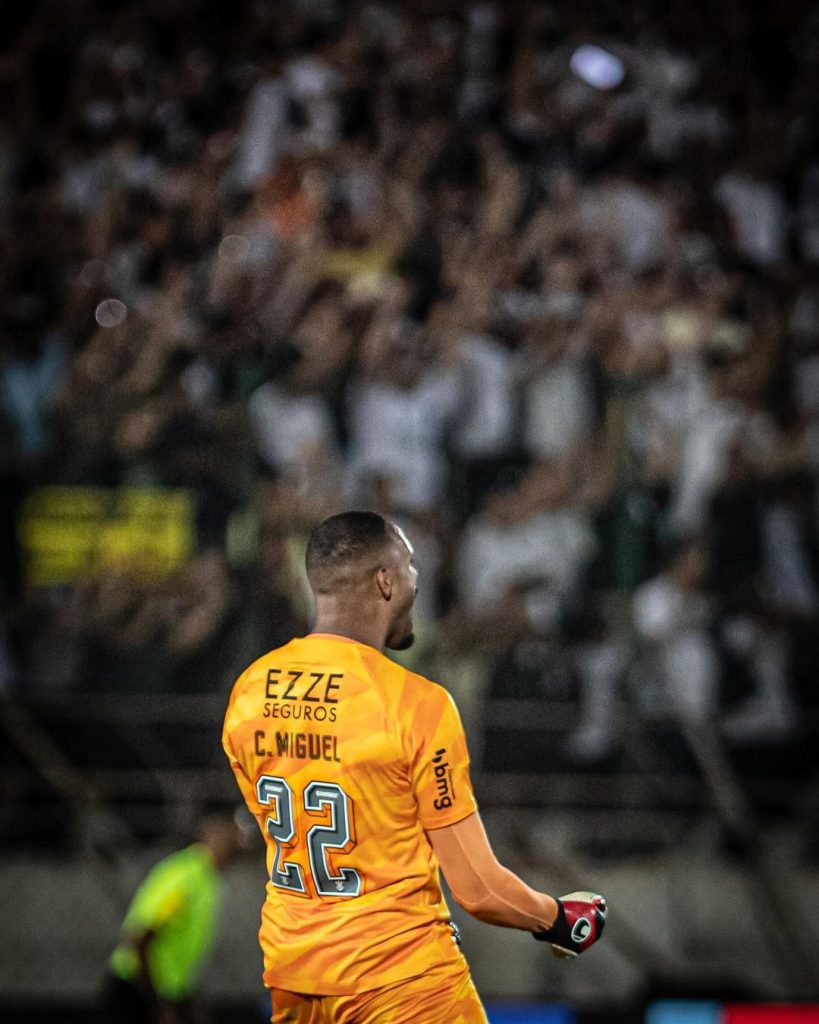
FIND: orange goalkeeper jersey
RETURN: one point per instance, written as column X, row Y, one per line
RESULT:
column 345, row 758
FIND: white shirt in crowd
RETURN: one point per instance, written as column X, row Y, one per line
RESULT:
column 398, row 433
column 289, row 428
column 545, row 550
column 759, row 215
column 488, row 415
column 558, row 409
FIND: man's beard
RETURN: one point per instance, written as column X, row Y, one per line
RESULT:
column 403, row 644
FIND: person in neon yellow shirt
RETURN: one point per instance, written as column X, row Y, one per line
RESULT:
column 169, row 930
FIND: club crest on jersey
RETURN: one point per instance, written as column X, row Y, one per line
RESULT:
column 581, row 930
column 443, row 781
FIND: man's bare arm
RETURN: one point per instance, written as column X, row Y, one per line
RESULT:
column 482, row 885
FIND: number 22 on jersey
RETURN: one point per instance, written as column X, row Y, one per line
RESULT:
column 318, row 798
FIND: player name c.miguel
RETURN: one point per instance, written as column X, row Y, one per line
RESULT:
column 304, row 746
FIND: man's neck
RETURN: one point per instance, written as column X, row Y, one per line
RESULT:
column 370, row 634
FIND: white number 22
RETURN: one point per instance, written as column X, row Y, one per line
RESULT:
column 318, row 797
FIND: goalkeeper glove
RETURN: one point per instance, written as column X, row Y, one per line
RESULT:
column 580, row 919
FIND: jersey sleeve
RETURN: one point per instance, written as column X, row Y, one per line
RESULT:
column 439, row 762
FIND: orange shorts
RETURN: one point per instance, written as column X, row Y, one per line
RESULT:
column 440, row 996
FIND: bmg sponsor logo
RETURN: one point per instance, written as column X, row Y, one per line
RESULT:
column 443, row 781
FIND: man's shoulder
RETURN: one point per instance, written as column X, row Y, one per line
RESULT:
column 421, row 689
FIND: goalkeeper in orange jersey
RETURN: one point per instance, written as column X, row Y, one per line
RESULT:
column 357, row 772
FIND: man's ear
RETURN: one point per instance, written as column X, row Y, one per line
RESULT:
column 383, row 580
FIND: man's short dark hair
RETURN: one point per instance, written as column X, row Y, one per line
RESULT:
column 341, row 542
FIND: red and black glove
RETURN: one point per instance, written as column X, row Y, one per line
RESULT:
column 581, row 917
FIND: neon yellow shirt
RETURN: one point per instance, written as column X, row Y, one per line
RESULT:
column 179, row 901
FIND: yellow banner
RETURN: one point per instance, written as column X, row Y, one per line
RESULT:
column 69, row 534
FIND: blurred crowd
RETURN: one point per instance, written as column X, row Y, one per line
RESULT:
column 541, row 281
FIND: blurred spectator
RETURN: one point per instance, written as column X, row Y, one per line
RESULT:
column 288, row 257
column 169, row 930
column 29, row 380
column 399, row 416
column 559, row 408
column 672, row 615
column 202, row 625
column 528, row 540
column 758, row 215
